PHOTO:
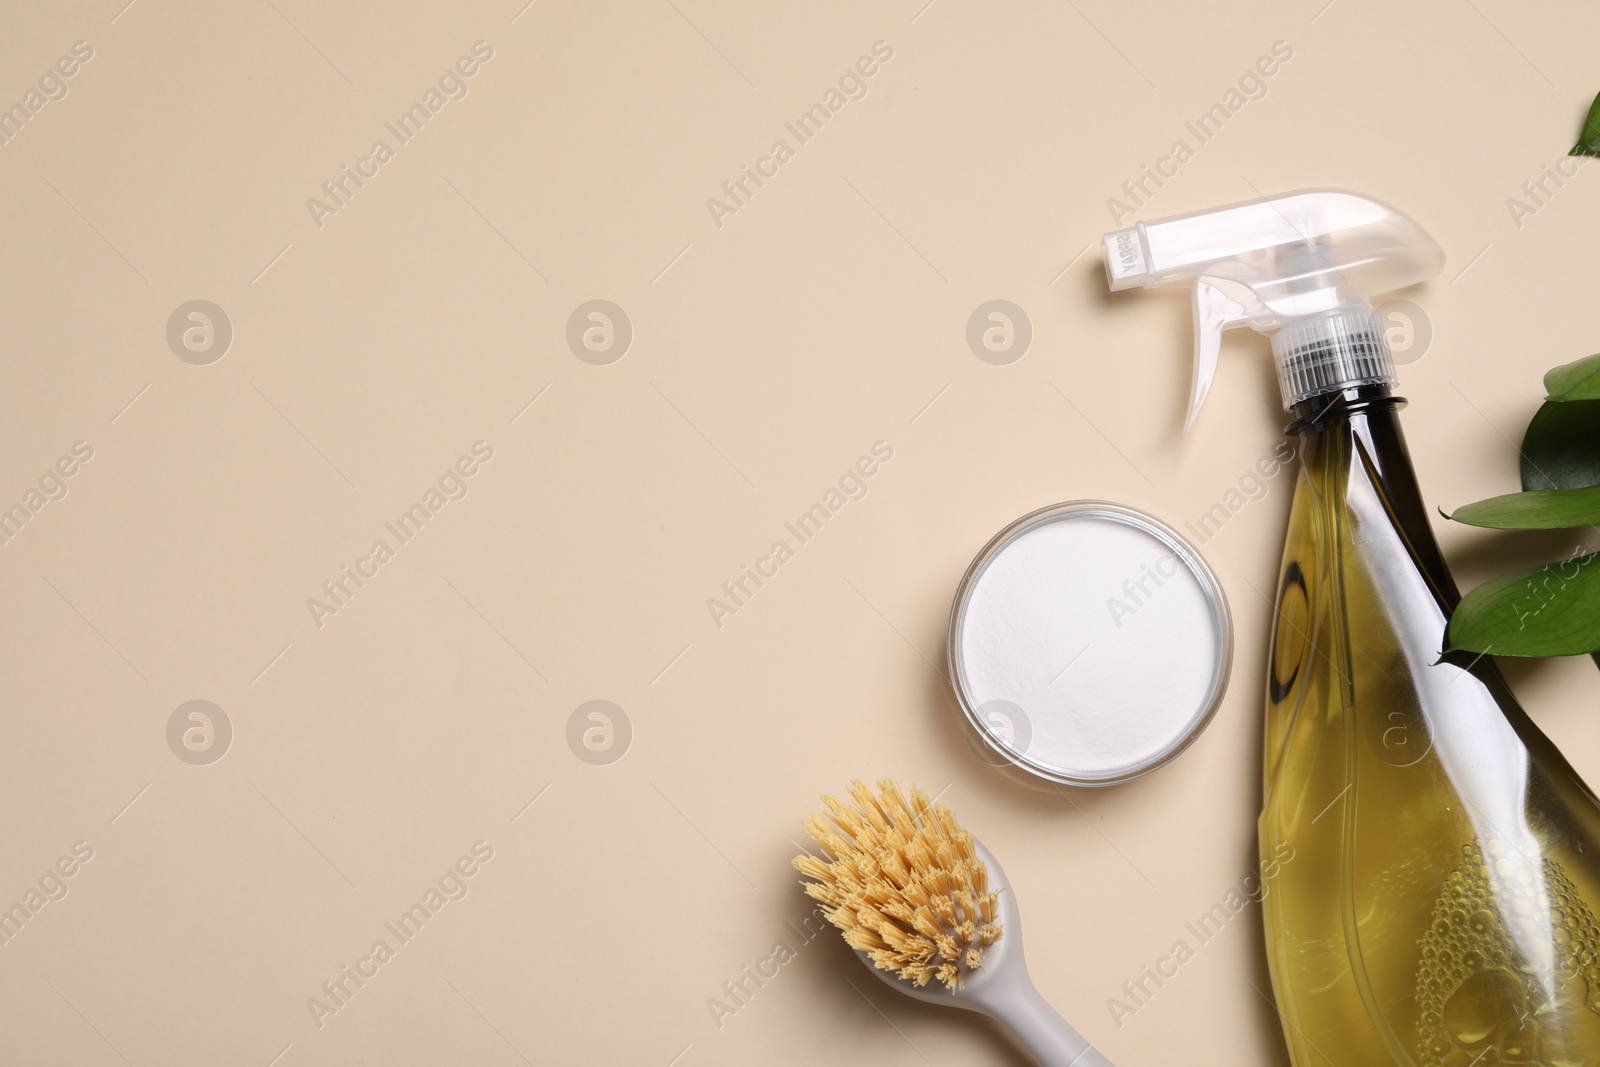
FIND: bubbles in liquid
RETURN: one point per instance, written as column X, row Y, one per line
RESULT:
column 1510, row 967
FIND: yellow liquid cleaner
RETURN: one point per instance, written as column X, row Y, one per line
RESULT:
column 1443, row 905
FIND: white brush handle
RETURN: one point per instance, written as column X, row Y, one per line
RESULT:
column 1002, row 990
column 1041, row 1031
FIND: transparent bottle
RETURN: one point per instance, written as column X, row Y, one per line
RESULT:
column 1442, row 908
column 1436, row 895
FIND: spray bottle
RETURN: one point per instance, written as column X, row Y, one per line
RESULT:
column 1443, row 905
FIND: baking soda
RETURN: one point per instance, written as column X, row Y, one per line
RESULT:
column 1092, row 646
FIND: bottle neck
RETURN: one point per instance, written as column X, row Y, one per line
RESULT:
column 1361, row 426
column 1315, row 414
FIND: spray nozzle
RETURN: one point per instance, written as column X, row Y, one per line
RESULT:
column 1303, row 267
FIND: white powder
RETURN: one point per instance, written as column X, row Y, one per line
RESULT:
column 1140, row 675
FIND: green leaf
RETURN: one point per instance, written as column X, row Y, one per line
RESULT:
column 1589, row 141
column 1561, row 449
column 1552, row 610
column 1544, row 509
column 1578, row 380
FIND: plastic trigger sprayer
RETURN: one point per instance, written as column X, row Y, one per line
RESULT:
column 1430, row 862
column 1303, row 266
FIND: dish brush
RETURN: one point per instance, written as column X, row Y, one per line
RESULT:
column 927, row 908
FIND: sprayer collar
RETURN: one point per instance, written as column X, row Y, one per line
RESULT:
column 1330, row 352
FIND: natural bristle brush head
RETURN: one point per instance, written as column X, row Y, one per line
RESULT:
column 905, row 884
column 928, row 908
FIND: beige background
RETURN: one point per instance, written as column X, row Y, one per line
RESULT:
column 768, row 354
